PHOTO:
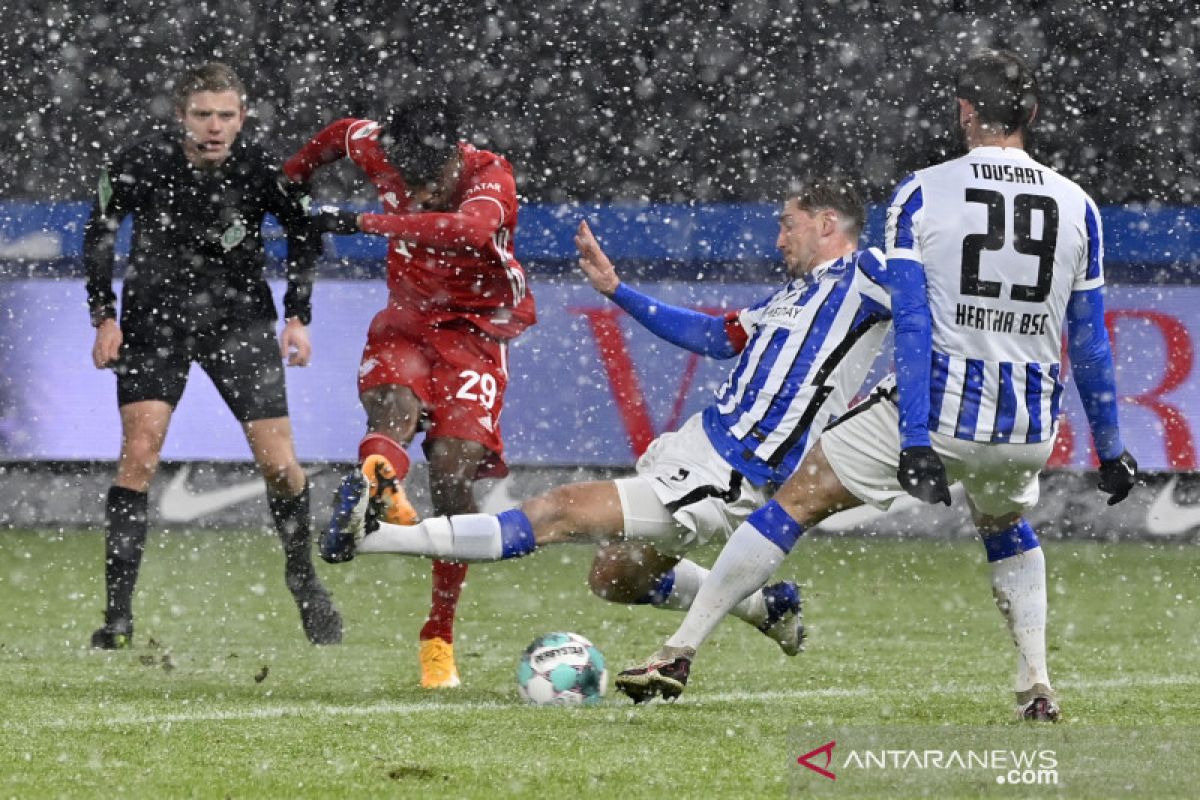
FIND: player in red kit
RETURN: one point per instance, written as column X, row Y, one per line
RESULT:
column 436, row 357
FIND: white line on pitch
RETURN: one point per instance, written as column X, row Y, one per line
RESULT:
column 454, row 709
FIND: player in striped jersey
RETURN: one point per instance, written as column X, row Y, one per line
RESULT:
column 989, row 256
column 802, row 353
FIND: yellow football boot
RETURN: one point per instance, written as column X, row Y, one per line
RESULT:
column 437, row 664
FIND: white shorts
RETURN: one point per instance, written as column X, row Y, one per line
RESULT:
column 685, row 493
column 863, row 447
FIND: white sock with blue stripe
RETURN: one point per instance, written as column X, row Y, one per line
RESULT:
column 677, row 591
column 749, row 558
column 1019, row 586
column 462, row 537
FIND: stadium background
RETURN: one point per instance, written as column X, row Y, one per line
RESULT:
column 674, row 130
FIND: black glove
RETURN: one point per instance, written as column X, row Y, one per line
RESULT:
column 923, row 475
column 1117, row 477
column 331, row 219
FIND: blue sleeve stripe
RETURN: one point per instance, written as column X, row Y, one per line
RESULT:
column 1094, row 241
column 1033, row 401
column 968, row 411
column 939, row 377
column 904, row 232
column 872, row 268
column 902, row 187
column 701, row 333
column 1092, row 368
column 1006, row 406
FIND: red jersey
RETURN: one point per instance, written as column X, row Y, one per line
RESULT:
column 445, row 266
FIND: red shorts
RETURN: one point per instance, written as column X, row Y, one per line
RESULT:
column 457, row 373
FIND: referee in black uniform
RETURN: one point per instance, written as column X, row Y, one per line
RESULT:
column 194, row 291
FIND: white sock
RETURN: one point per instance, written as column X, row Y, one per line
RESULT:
column 689, row 576
column 746, row 563
column 465, row 537
column 1019, row 586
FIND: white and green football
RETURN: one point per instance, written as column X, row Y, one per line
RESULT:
column 561, row 669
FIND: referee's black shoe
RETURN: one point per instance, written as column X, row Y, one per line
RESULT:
column 320, row 618
column 113, row 636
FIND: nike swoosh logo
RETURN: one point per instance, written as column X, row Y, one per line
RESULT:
column 178, row 503
column 1168, row 518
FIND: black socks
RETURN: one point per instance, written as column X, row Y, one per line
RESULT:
column 124, row 543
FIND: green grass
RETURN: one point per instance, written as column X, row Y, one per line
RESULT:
column 904, row 642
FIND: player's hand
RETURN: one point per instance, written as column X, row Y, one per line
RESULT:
column 595, row 265
column 923, row 475
column 298, row 192
column 294, row 344
column 1117, row 477
column 107, row 346
column 331, row 219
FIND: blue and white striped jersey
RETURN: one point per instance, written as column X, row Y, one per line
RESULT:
column 808, row 348
column 1003, row 242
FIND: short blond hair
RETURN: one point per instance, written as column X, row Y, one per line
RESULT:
column 211, row 77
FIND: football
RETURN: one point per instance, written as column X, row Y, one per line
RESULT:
column 561, row 669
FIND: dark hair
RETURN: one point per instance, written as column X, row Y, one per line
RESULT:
column 211, row 77
column 1001, row 87
column 420, row 137
column 835, row 193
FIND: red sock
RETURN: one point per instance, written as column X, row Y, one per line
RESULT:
column 377, row 444
column 448, row 577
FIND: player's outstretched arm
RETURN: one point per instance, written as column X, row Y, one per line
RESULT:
column 1092, row 368
column 325, row 147
column 691, row 330
column 472, row 226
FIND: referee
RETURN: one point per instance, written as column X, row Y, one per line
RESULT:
column 194, row 291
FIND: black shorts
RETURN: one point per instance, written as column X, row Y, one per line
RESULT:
column 241, row 357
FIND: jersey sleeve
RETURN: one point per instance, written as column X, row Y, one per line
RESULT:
column 472, row 227
column 364, row 149
column 114, row 200
column 870, row 279
column 325, row 147
column 358, row 140
column 289, row 205
column 1093, row 370
column 1091, row 272
column 492, row 184
column 700, row 333
column 913, row 324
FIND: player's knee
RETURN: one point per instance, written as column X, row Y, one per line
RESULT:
column 609, row 582
column 139, row 458
column 614, row 577
column 283, row 477
column 393, row 411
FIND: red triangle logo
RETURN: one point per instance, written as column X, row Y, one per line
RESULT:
column 827, row 749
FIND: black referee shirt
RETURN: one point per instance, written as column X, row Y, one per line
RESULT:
column 197, row 253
